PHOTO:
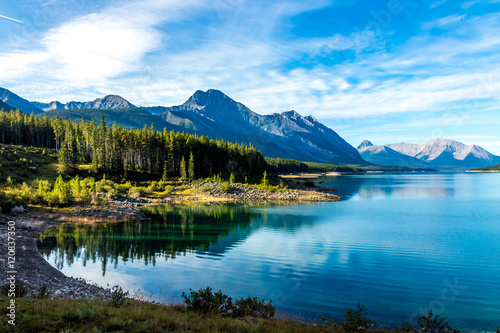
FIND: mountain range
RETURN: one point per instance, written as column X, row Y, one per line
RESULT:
column 442, row 154
column 108, row 102
column 287, row 134
column 384, row 155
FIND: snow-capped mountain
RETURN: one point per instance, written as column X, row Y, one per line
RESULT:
column 364, row 144
column 383, row 155
column 108, row 102
column 286, row 134
column 17, row 102
column 448, row 154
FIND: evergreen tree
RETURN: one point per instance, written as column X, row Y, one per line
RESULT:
column 191, row 166
column 183, row 168
column 165, row 171
column 265, row 181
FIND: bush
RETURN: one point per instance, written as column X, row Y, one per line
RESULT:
column 21, row 290
column 252, row 306
column 135, row 192
column 225, row 187
column 354, row 320
column 124, row 188
column 168, row 190
column 207, row 302
column 118, row 297
column 43, row 292
column 429, row 323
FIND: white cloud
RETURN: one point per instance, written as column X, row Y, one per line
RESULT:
column 444, row 21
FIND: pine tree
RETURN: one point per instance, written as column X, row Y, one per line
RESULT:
column 191, row 166
column 165, row 171
column 183, row 168
column 75, row 185
column 265, row 181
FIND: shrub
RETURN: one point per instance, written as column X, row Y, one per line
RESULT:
column 225, row 187
column 124, row 188
column 118, row 297
column 252, row 306
column 21, row 290
column 430, row 323
column 354, row 320
column 207, row 302
column 135, row 192
column 43, row 292
column 168, row 190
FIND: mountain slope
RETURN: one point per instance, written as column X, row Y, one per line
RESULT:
column 448, row 154
column 106, row 103
column 133, row 117
column 17, row 102
column 383, row 155
column 287, row 134
column 6, row 107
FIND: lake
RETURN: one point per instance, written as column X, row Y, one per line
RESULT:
column 399, row 244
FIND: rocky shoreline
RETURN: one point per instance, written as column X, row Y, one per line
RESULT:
column 34, row 271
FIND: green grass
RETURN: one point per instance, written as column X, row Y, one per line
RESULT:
column 26, row 164
column 98, row 316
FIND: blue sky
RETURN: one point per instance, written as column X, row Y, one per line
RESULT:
column 388, row 71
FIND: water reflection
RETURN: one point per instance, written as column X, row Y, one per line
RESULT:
column 396, row 186
column 172, row 230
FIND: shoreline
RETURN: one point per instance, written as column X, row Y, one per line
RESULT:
column 35, row 271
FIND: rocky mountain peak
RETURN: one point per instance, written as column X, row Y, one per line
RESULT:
column 364, row 144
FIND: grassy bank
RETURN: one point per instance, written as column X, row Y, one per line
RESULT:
column 44, row 315
column 98, row 316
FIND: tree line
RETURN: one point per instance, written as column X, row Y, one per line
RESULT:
column 128, row 153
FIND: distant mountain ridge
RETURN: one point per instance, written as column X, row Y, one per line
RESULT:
column 106, row 103
column 18, row 102
column 384, row 155
column 436, row 153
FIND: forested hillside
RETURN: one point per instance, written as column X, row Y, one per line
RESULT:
column 120, row 152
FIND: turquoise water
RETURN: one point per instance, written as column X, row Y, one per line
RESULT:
column 398, row 244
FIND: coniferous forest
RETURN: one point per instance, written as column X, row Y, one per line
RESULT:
column 121, row 153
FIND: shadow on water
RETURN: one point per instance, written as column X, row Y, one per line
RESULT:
column 169, row 231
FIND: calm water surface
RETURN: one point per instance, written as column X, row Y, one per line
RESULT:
column 399, row 244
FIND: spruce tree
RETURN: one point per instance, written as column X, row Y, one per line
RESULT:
column 165, row 171
column 183, row 168
column 191, row 166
